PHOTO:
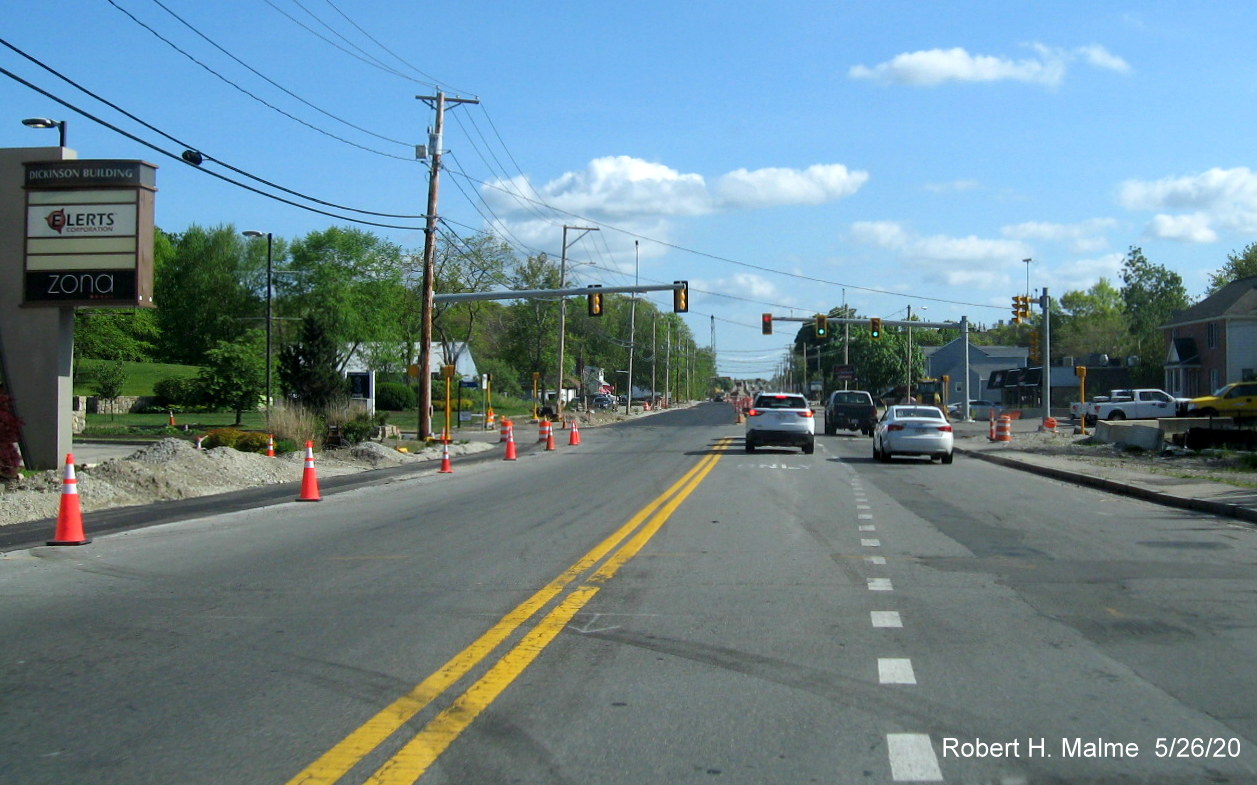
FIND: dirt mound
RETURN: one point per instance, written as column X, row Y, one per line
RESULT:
column 174, row 469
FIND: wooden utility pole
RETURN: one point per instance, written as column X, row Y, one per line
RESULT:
column 433, row 151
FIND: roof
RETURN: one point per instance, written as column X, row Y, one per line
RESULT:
column 1238, row 298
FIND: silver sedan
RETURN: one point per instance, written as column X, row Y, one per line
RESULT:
column 913, row 430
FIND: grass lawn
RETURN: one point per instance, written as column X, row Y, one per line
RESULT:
column 140, row 376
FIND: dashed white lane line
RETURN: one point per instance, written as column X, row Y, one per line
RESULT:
column 870, row 543
column 868, row 527
column 885, row 618
column 881, row 560
column 864, row 516
column 880, row 584
column 912, row 758
column 892, row 670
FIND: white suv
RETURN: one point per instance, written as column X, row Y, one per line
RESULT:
column 780, row 419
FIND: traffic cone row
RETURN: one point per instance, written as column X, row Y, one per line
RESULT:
column 309, row 479
column 573, row 438
column 70, row 516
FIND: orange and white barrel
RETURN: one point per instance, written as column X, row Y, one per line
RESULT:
column 1004, row 429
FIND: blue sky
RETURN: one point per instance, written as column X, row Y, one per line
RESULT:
column 780, row 156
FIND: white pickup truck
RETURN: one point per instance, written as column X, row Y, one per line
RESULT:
column 1138, row 404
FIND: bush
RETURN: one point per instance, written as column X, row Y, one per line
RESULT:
column 395, row 397
column 222, row 437
column 177, row 392
column 295, row 424
column 252, row 441
column 358, row 429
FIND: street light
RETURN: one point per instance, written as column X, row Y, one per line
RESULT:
column 253, row 233
column 44, row 122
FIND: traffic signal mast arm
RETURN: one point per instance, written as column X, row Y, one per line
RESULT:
column 570, row 291
column 864, row 321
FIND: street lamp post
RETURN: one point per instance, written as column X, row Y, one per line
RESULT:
column 44, row 122
column 269, row 289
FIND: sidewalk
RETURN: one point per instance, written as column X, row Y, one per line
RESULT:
column 1214, row 498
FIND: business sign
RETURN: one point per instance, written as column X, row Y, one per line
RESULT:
column 89, row 233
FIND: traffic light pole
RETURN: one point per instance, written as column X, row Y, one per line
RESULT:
column 1046, row 358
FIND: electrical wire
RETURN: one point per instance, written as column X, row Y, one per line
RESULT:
column 255, row 97
column 717, row 258
column 186, row 145
column 179, row 157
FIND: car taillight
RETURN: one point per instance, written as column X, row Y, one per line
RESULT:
column 945, row 428
column 753, row 412
column 893, row 427
column 807, row 413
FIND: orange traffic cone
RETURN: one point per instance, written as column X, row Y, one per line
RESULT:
column 573, row 438
column 172, row 417
column 270, row 445
column 70, row 517
column 446, row 468
column 510, row 445
column 309, row 479
column 549, row 438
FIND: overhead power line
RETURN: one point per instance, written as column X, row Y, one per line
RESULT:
column 261, row 100
column 179, row 157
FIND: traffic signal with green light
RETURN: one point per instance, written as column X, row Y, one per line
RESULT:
column 875, row 328
column 822, row 325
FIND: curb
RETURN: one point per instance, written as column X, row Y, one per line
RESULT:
column 1222, row 509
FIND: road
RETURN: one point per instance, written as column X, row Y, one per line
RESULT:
column 653, row 606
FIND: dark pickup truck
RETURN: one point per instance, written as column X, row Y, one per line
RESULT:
column 851, row 410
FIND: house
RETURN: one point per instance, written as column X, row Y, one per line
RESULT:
column 1213, row 342
column 361, row 375
column 949, row 360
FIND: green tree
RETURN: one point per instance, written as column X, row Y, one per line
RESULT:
column 234, row 375
column 205, row 292
column 1150, row 295
column 473, row 264
column 309, row 369
column 112, row 334
column 354, row 281
column 1241, row 265
column 532, row 326
column 1091, row 321
column 108, row 381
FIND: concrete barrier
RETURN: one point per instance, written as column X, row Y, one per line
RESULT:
column 1146, row 435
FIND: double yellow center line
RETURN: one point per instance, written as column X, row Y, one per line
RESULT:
column 416, row 755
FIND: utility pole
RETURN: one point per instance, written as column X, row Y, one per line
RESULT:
column 433, row 151
column 558, row 388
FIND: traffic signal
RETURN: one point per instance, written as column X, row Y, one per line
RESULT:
column 681, row 298
column 875, row 328
column 822, row 325
column 595, row 301
column 1021, row 308
column 766, row 324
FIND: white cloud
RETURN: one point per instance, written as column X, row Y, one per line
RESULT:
column 972, row 261
column 932, row 67
column 1083, row 237
column 615, row 187
column 1082, row 274
column 1188, row 228
column 1214, row 201
column 956, row 186
column 776, row 186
